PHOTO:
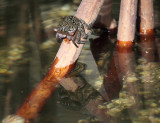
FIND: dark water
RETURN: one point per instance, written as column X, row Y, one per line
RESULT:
column 28, row 47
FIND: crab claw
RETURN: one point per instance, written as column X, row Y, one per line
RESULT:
column 62, row 35
column 59, row 40
column 59, row 37
column 69, row 37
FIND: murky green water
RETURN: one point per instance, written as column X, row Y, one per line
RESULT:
column 28, row 47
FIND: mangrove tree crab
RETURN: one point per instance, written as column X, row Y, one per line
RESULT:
column 72, row 28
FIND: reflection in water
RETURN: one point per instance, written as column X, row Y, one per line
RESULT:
column 124, row 65
column 147, row 44
column 138, row 98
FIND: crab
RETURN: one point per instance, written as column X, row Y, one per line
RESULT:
column 72, row 28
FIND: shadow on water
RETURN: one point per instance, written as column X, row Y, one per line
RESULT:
column 126, row 88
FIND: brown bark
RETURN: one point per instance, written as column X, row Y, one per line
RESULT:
column 33, row 104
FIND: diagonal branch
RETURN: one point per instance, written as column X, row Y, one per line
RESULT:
column 63, row 62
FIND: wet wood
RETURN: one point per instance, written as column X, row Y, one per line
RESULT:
column 126, row 27
column 146, row 17
column 36, row 100
column 124, row 46
column 63, row 63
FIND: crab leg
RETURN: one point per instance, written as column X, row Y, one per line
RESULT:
column 74, row 38
column 78, row 39
column 59, row 37
column 88, row 27
column 81, row 29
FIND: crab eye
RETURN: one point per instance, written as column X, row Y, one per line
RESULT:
column 72, row 28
